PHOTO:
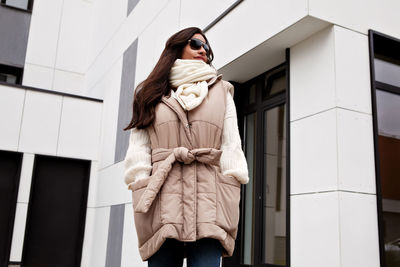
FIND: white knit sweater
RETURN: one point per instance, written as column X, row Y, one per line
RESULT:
column 232, row 162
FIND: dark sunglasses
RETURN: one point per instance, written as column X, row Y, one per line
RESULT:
column 196, row 44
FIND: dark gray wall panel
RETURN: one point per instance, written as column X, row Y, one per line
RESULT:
column 115, row 231
column 14, row 31
column 125, row 101
column 131, row 5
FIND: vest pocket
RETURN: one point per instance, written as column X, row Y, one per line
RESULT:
column 228, row 198
column 206, row 207
column 146, row 223
column 171, row 208
column 138, row 188
column 171, row 194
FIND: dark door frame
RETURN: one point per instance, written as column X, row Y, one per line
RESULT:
column 82, row 213
column 260, row 107
column 18, row 157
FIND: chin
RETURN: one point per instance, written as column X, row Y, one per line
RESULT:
column 205, row 61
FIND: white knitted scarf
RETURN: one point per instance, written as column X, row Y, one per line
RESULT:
column 190, row 78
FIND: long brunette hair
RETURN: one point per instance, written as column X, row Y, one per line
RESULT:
column 149, row 92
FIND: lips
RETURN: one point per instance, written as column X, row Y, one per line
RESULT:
column 201, row 58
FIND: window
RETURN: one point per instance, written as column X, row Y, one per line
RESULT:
column 385, row 69
column 263, row 229
column 20, row 4
column 10, row 74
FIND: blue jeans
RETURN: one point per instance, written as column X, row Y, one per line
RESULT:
column 204, row 252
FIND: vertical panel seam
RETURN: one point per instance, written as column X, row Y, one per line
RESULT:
column 21, row 121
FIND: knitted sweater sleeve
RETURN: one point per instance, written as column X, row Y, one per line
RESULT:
column 138, row 156
column 233, row 161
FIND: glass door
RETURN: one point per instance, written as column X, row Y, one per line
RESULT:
column 274, row 186
column 262, row 236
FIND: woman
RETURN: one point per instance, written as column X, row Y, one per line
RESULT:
column 184, row 163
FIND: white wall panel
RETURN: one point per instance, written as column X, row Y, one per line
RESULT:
column 334, row 229
column 200, row 15
column 110, row 87
column 360, row 15
column 355, row 146
column 44, row 31
column 353, row 88
column 312, row 76
column 141, row 16
column 314, row 231
column 69, row 82
column 25, row 178
column 104, row 29
column 75, row 37
column 93, row 180
column 152, row 40
column 111, row 188
column 96, row 235
column 38, row 76
column 11, row 106
column 313, row 153
column 251, row 23
column 130, row 247
column 18, row 232
column 80, row 128
column 333, row 150
column 331, row 68
column 271, row 52
column 40, row 123
column 358, row 230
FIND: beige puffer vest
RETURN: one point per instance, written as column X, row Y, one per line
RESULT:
column 186, row 197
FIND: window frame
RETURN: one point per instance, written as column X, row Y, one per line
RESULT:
column 375, row 52
column 28, row 9
column 17, row 71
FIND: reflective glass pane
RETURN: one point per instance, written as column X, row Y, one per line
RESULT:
column 274, row 204
column 8, row 78
column 388, row 107
column 275, row 82
column 387, row 72
column 18, row 3
column 248, row 218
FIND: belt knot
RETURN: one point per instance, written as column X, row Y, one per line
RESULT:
column 184, row 155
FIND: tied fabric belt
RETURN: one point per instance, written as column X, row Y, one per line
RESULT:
column 169, row 156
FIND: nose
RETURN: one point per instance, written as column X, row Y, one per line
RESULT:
column 202, row 51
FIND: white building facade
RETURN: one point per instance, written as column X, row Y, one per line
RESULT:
column 317, row 91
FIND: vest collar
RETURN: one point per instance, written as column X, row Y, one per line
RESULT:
column 214, row 80
column 173, row 104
